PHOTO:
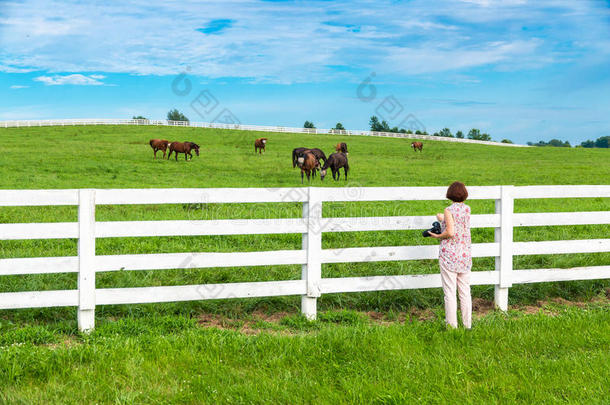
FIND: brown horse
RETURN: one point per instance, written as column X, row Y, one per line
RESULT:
column 308, row 163
column 341, row 147
column 183, row 147
column 259, row 145
column 159, row 144
column 417, row 146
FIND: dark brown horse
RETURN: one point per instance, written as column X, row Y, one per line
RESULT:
column 183, row 147
column 159, row 144
column 335, row 161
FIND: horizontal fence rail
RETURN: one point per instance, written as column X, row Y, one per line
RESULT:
column 311, row 256
column 258, row 128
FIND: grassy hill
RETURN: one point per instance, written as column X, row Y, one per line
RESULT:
column 119, row 156
column 160, row 352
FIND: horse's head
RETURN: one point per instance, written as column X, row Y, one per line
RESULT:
column 196, row 147
column 322, row 174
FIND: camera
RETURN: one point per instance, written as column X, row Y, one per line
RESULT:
column 436, row 228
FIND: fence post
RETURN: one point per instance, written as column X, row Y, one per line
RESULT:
column 312, row 243
column 86, row 260
column 504, row 236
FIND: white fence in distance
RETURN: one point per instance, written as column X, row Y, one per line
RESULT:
column 311, row 256
column 261, row 128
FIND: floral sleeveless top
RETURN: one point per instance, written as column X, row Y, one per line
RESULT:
column 455, row 253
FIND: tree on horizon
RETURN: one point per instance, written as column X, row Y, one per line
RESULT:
column 175, row 115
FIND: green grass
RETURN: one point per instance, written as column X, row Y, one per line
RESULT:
column 158, row 353
column 341, row 358
column 119, row 156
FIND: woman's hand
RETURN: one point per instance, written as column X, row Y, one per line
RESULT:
column 449, row 231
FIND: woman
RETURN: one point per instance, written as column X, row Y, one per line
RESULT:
column 454, row 258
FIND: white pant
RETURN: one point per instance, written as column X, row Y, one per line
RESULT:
column 450, row 279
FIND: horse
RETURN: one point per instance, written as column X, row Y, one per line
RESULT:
column 159, row 144
column 335, row 161
column 183, row 147
column 417, row 146
column 308, row 163
column 296, row 152
column 259, row 145
column 341, row 147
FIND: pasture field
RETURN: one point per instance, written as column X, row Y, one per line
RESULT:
column 559, row 355
column 144, row 353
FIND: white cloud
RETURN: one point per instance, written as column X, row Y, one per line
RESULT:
column 426, row 60
column 76, row 79
column 292, row 42
column 17, row 86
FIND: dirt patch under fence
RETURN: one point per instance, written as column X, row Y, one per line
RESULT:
column 259, row 321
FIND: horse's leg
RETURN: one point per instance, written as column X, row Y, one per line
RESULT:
column 301, row 176
column 155, row 150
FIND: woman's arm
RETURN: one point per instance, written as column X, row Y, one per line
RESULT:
column 449, row 227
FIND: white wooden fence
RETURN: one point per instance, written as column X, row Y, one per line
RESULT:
column 261, row 128
column 311, row 285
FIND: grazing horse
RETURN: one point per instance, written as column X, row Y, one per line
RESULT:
column 159, row 144
column 335, row 161
column 341, row 147
column 259, row 145
column 417, row 146
column 183, row 147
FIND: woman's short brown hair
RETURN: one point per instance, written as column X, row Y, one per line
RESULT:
column 457, row 192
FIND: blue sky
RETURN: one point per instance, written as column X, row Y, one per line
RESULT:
column 517, row 69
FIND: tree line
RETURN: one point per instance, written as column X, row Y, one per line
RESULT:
column 601, row 142
column 474, row 133
column 383, row 126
